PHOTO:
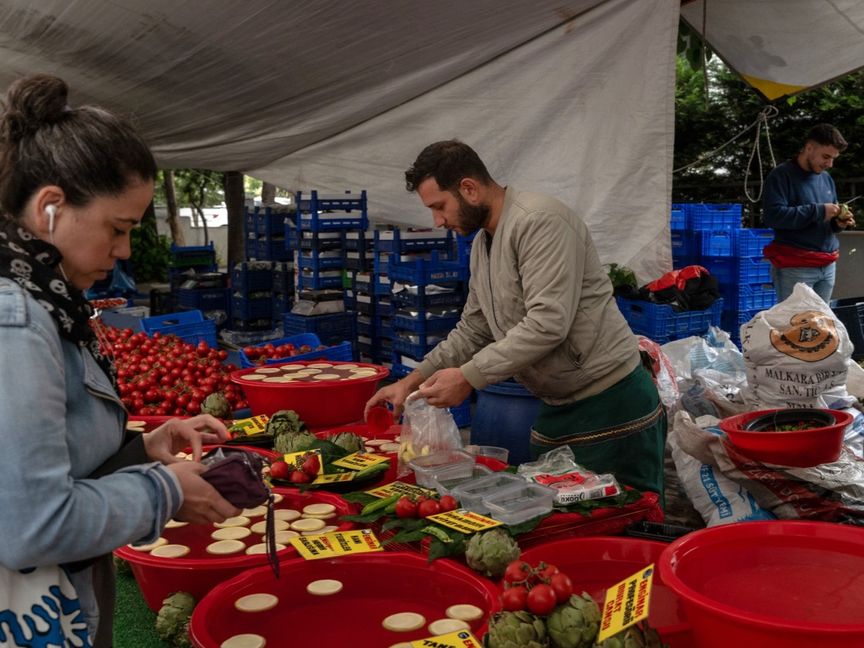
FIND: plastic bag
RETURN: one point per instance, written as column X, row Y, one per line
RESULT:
column 662, row 372
column 572, row 483
column 425, row 429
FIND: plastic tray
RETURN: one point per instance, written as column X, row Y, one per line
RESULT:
column 441, row 466
column 471, row 493
column 520, row 503
column 375, row 586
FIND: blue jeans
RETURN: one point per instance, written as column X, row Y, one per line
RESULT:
column 821, row 280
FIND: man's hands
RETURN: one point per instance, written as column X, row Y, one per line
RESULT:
column 446, row 388
column 840, row 214
column 173, row 436
column 395, row 394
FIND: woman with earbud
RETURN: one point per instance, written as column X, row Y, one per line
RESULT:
column 73, row 182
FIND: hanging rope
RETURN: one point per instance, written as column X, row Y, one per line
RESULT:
column 705, row 51
column 762, row 122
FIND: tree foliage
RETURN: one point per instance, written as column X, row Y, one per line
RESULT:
column 732, row 106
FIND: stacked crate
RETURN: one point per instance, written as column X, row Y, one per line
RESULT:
column 712, row 237
column 318, row 241
column 264, row 229
column 208, row 293
column 252, row 296
column 188, row 261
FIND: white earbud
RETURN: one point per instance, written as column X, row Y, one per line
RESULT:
column 51, row 210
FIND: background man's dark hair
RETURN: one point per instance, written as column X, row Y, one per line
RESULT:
column 448, row 162
column 827, row 135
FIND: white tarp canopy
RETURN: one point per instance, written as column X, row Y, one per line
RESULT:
column 571, row 97
column 781, row 47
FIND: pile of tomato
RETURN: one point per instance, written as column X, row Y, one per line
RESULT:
column 538, row 589
column 260, row 354
column 162, row 375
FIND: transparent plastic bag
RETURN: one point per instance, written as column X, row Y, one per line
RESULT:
column 425, row 429
column 558, row 469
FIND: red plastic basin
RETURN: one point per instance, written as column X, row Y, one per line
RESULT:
column 374, row 586
column 800, row 448
column 596, row 563
column 774, row 584
column 198, row 572
column 319, row 404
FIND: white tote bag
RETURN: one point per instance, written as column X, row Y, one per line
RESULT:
column 40, row 608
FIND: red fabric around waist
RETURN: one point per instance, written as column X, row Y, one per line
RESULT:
column 788, row 256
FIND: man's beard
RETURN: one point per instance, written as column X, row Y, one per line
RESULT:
column 471, row 218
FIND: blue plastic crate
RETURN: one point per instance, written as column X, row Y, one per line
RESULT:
column 269, row 223
column 315, row 261
column 356, row 241
column 249, row 309
column 192, row 255
column 248, row 222
column 662, row 324
column 724, row 269
column 678, row 218
column 366, row 326
column 714, row 216
column 250, row 249
column 253, row 325
column 283, row 278
column 463, row 248
column 341, row 352
column 318, row 213
column 398, row 242
column 423, row 272
column 190, row 326
column 754, row 270
column 425, row 325
column 281, row 304
column 716, row 243
column 206, row 299
column 319, row 241
column 417, row 351
column 358, row 260
column 316, row 282
column 398, row 370
column 330, row 329
column 422, row 301
column 750, row 242
column 755, row 297
column 850, row 311
column 462, row 413
column 272, row 249
column 245, row 280
column 683, row 244
column 679, row 262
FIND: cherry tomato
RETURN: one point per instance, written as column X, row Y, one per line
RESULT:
column 299, row 477
column 405, row 508
column 545, row 572
column 514, row 599
column 427, row 508
column 448, row 503
column 310, row 465
column 279, row 470
column 562, row 586
column 517, row 571
column 541, row 599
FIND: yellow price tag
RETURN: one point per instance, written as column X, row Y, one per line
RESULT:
column 400, row 488
column 359, row 460
column 626, row 603
column 458, row 639
column 334, row 478
column 250, row 426
column 464, row 520
column 337, row 543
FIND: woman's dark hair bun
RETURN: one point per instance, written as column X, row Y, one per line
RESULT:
column 32, row 102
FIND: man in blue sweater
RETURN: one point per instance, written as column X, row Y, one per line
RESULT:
column 800, row 203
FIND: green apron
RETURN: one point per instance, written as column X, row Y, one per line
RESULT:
column 620, row 431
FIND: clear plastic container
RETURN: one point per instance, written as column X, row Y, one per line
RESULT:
column 443, row 465
column 520, row 503
column 471, row 493
column 493, row 452
column 445, row 485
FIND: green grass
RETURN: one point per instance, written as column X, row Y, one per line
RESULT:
column 134, row 622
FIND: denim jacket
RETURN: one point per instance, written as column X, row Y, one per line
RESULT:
column 60, row 419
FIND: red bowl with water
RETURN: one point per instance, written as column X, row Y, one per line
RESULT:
column 773, row 584
column 375, row 585
column 596, row 563
column 198, row 572
column 800, row 448
column 319, row 403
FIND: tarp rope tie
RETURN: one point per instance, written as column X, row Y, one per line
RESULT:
column 761, row 122
column 767, row 113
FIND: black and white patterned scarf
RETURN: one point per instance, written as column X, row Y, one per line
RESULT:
column 32, row 263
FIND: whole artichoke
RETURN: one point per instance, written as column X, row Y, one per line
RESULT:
column 348, row 441
column 173, row 617
column 284, row 422
column 216, row 405
column 297, row 442
column 489, row 553
column 574, row 624
column 636, row 636
column 516, row 630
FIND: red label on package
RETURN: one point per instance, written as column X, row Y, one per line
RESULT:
column 560, row 481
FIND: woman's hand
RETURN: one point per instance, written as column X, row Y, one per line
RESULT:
column 163, row 443
column 202, row 503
